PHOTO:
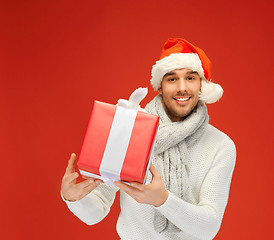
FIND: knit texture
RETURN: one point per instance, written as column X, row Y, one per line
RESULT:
column 210, row 167
column 171, row 147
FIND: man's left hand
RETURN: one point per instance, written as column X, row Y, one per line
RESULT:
column 153, row 193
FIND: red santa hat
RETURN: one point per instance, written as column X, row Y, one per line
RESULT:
column 178, row 53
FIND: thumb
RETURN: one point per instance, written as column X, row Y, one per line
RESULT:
column 71, row 164
column 153, row 171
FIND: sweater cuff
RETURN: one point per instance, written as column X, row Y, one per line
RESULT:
column 66, row 201
column 85, row 201
column 170, row 206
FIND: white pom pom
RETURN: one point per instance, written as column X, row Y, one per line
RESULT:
column 210, row 92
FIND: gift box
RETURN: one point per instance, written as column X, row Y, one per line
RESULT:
column 118, row 143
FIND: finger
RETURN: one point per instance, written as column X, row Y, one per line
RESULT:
column 71, row 177
column 71, row 163
column 153, row 170
column 92, row 185
column 85, row 191
column 155, row 174
column 137, row 185
column 88, row 182
column 133, row 192
column 127, row 188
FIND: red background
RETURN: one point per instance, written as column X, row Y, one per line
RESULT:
column 56, row 57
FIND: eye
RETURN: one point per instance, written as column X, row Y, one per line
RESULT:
column 190, row 78
column 171, row 79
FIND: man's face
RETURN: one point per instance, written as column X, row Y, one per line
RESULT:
column 180, row 91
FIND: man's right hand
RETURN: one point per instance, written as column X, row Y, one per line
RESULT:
column 71, row 190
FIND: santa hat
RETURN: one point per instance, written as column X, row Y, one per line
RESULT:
column 179, row 53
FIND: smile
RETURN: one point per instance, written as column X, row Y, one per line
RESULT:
column 182, row 99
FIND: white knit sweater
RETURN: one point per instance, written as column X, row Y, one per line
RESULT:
column 213, row 159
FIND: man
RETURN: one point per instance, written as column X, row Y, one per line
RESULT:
column 187, row 191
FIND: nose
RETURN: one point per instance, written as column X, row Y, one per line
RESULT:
column 182, row 85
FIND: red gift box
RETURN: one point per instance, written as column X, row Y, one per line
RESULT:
column 118, row 143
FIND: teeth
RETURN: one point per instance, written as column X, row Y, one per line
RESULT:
column 182, row 99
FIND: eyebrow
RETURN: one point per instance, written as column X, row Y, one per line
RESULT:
column 169, row 74
column 173, row 73
column 192, row 72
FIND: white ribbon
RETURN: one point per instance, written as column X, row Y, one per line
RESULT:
column 134, row 100
column 117, row 144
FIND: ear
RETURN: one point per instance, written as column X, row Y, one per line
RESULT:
column 160, row 90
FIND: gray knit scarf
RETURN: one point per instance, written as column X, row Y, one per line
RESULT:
column 171, row 156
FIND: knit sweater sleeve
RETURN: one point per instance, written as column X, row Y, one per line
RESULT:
column 203, row 220
column 94, row 207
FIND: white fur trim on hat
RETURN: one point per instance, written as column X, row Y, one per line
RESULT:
column 172, row 62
